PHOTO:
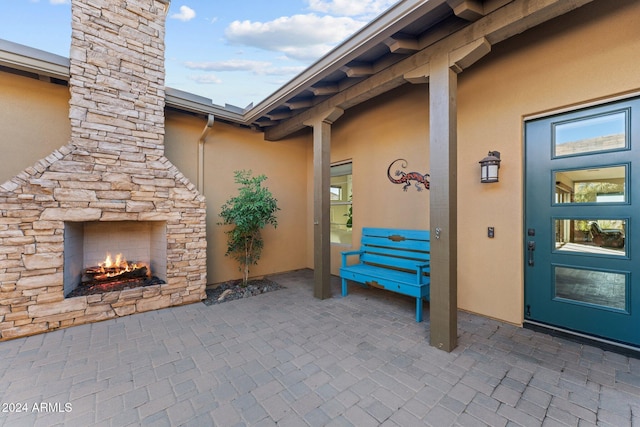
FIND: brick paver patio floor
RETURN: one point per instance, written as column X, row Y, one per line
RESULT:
column 287, row 359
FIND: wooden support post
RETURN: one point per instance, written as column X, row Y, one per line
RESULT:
column 443, row 203
column 441, row 74
column 321, row 202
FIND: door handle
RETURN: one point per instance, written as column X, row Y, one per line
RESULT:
column 531, row 246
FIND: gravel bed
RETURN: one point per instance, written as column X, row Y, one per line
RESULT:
column 234, row 290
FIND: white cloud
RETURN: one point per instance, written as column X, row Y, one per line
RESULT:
column 185, row 14
column 362, row 8
column 254, row 67
column 229, row 65
column 206, row 79
column 304, row 37
column 60, row 1
column 284, row 71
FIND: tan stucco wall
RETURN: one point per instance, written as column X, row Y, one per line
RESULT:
column 34, row 121
column 182, row 132
column 587, row 56
column 227, row 149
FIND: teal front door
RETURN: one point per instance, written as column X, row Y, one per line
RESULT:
column 582, row 221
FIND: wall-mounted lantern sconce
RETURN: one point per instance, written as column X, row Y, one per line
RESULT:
column 489, row 167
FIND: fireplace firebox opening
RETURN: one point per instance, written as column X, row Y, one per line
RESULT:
column 111, row 255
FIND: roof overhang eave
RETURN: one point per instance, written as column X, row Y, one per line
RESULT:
column 200, row 105
column 24, row 58
column 41, row 63
column 385, row 25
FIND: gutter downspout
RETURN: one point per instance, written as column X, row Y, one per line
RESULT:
column 201, row 141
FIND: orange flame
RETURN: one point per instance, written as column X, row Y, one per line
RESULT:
column 112, row 268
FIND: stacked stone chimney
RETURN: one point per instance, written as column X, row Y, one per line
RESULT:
column 112, row 170
column 117, row 80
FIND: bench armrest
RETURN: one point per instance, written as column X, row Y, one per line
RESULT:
column 347, row 253
column 421, row 268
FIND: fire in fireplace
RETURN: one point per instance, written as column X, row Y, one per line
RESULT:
column 113, row 275
column 109, row 270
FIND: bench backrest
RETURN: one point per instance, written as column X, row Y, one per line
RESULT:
column 395, row 248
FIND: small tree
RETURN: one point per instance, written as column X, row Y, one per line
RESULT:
column 250, row 211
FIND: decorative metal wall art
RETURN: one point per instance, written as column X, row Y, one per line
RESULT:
column 406, row 178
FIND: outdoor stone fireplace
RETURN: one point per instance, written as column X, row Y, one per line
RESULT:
column 110, row 189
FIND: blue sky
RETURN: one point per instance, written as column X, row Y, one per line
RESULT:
column 234, row 52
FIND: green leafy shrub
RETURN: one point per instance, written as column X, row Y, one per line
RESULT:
column 250, row 211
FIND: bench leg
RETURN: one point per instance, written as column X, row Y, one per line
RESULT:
column 418, row 309
column 344, row 287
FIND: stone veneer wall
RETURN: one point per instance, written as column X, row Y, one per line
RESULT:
column 113, row 169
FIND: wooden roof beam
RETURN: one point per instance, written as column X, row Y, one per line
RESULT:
column 469, row 10
column 357, row 70
column 324, row 90
column 279, row 115
column 402, row 44
column 265, row 123
column 299, row 105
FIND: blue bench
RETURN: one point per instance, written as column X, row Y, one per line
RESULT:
column 392, row 259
